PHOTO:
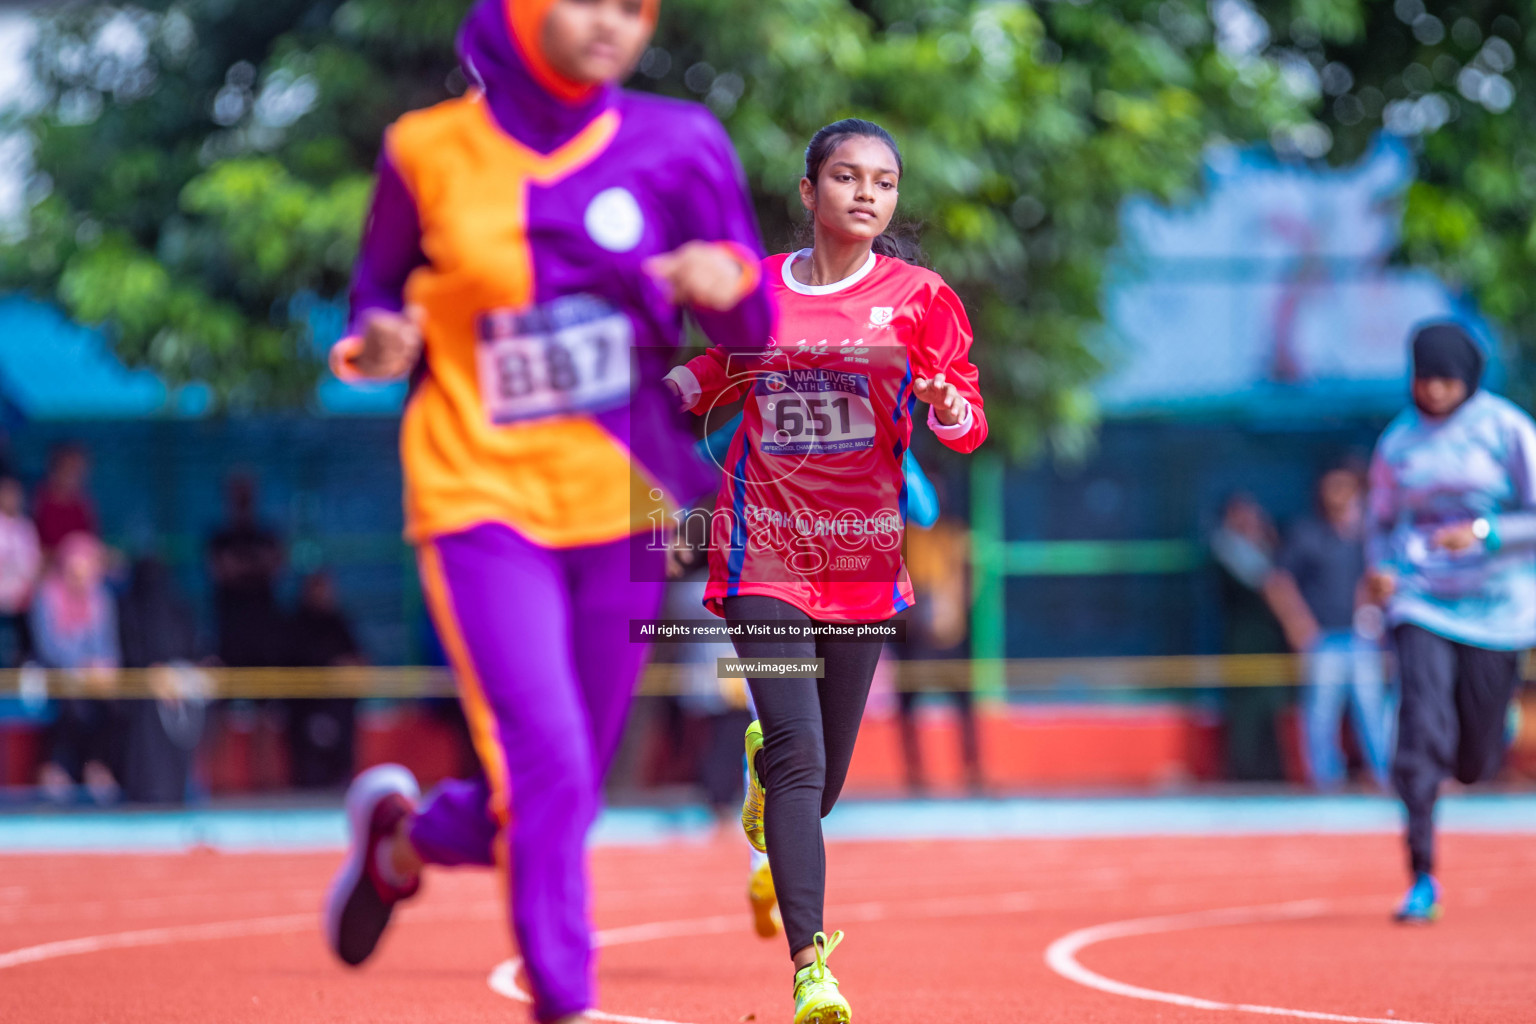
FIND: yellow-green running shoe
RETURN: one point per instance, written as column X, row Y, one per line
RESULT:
column 817, row 1000
column 752, row 806
column 765, row 902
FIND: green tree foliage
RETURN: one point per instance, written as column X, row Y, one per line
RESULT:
column 1458, row 82
column 1023, row 129
column 202, row 172
column 202, row 188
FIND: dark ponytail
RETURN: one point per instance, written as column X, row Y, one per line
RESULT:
column 897, row 241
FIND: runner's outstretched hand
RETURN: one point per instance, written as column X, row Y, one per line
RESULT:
column 948, row 404
column 391, row 343
column 699, row 274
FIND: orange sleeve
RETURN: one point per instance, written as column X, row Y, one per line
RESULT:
column 751, row 268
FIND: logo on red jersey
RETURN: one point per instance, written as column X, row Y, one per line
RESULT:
column 880, row 316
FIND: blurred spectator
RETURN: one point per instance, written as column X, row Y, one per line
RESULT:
column 1314, row 593
column 244, row 559
column 74, row 627
column 20, row 562
column 61, row 506
column 938, row 560
column 160, row 734
column 155, row 624
column 1243, row 547
column 321, row 731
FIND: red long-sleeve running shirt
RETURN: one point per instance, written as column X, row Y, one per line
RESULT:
column 812, row 508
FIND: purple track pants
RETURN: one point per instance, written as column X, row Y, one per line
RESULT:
column 539, row 643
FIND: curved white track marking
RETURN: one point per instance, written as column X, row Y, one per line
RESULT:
column 1061, row 956
column 503, row 982
column 503, row 979
column 157, row 937
column 172, row 934
column 276, row 925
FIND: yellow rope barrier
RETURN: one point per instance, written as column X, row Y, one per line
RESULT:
column 1064, row 676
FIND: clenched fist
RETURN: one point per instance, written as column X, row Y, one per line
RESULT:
column 391, row 343
column 698, row 274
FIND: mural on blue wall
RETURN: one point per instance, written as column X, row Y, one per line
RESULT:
column 1272, row 294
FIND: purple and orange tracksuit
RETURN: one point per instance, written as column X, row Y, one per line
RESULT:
column 538, row 439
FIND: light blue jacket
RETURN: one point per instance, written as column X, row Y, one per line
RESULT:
column 1478, row 462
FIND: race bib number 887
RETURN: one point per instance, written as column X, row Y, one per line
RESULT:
column 571, row 355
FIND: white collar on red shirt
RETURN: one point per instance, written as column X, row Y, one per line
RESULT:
column 823, row 289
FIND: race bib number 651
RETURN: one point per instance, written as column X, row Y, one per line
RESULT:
column 571, row 355
column 814, row 411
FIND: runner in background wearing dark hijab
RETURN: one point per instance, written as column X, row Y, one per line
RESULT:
column 1451, row 556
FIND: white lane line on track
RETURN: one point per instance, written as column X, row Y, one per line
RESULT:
column 158, row 937
column 244, row 928
column 1061, row 956
column 85, row 911
column 503, row 979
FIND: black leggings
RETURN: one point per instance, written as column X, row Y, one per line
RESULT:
column 809, row 728
column 1451, row 722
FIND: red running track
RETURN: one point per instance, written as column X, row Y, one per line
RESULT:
column 937, row 931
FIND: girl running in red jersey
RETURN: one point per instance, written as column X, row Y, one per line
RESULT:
column 808, row 527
